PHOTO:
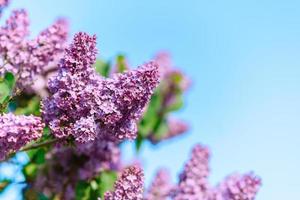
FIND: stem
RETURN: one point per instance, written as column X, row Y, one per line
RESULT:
column 42, row 144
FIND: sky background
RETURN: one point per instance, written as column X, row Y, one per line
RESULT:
column 243, row 58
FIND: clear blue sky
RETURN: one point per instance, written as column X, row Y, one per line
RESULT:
column 244, row 60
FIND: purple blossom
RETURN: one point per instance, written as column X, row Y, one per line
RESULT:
column 78, row 92
column 17, row 131
column 193, row 182
column 161, row 186
column 68, row 165
column 128, row 186
column 12, row 36
column 240, row 187
column 27, row 58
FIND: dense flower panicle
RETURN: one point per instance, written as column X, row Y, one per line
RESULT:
column 112, row 106
column 240, row 187
column 128, row 186
column 27, row 58
column 17, row 131
column 175, row 128
column 102, row 155
column 193, row 181
column 160, row 187
column 12, row 36
column 44, row 50
column 123, row 99
column 66, row 166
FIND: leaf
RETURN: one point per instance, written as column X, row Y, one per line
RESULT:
column 107, row 180
column 7, row 84
column 138, row 142
column 161, row 130
column 10, row 80
column 103, row 68
column 150, row 118
column 121, row 64
column 82, row 190
column 4, row 92
column 30, row 171
column 31, row 107
column 176, row 104
column 4, row 184
column 37, row 155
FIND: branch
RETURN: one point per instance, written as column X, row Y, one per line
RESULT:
column 38, row 145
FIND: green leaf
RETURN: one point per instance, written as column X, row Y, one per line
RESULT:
column 82, row 190
column 176, row 104
column 37, row 155
column 4, row 184
column 30, row 171
column 7, row 84
column 107, row 180
column 151, row 117
column 4, row 92
column 32, row 107
column 10, row 80
column 161, row 130
column 103, row 68
column 121, row 64
column 138, row 142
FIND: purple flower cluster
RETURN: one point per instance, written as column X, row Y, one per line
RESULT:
column 27, row 58
column 17, row 131
column 240, row 187
column 128, row 186
column 86, row 106
column 68, row 165
column 193, row 181
column 160, row 187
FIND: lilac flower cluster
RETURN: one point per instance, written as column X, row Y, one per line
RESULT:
column 240, row 187
column 193, row 182
column 68, row 165
column 17, row 131
column 86, row 106
column 161, row 187
column 128, row 186
column 24, row 57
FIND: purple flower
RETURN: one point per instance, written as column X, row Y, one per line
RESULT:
column 193, row 181
column 128, row 186
column 17, row 131
column 240, row 187
column 111, row 105
column 27, row 58
column 66, row 166
column 161, row 186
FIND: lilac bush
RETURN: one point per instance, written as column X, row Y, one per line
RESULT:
column 70, row 112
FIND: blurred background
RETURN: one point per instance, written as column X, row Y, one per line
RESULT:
column 243, row 59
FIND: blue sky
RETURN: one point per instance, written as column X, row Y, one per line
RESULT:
column 243, row 58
